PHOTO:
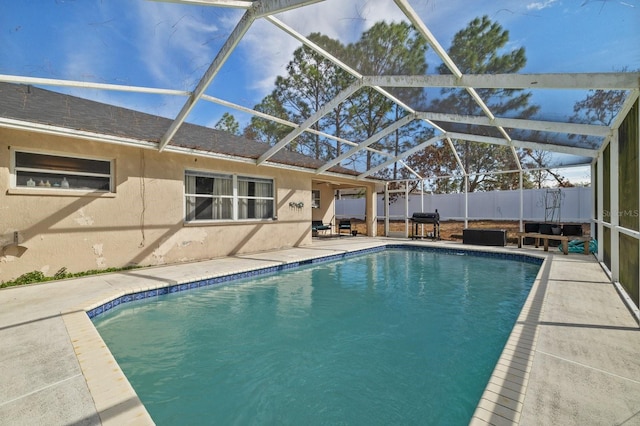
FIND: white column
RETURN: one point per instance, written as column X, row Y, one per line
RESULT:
column 600, row 195
column 406, row 209
column 371, row 211
column 466, row 200
column 593, row 225
column 386, row 209
column 521, row 203
column 615, row 209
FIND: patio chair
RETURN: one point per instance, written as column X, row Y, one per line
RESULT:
column 345, row 225
column 317, row 226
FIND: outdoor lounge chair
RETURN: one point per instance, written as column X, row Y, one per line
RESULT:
column 317, row 226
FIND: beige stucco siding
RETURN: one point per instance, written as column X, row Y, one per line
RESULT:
column 142, row 222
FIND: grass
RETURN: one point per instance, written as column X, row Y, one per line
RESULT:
column 38, row 276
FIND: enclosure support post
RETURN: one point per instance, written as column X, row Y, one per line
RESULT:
column 406, row 209
column 386, row 209
column 521, row 203
column 594, row 213
column 422, row 204
column 466, row 200
column 615, row 208
column 600, row 195
column 371, row 211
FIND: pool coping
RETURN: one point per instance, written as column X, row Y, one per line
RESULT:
column 117, row 403
column 503, row 398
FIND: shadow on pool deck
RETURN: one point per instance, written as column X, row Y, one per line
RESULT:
column 571, row 358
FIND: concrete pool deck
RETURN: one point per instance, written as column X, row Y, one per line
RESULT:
column 572, row 358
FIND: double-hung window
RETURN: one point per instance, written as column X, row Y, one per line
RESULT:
column 52, row 171
column 255, row 198
column 224, row 197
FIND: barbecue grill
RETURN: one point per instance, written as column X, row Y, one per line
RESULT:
column 426, row 217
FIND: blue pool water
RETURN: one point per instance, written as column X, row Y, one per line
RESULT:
column 396, row 337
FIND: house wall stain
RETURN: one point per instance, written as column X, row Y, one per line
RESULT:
column 82, row 219
column 180, row 240
column 100, row 260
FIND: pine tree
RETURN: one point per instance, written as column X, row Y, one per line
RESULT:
column 477, row 49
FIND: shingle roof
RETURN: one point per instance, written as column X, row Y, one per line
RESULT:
column 36, row 105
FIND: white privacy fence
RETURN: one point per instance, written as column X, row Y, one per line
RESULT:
column 574, row 205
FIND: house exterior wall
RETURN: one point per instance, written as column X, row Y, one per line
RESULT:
column 142, row 222
column 326, row 211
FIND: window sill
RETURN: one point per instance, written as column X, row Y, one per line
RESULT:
column 228, row 222
column 60, row 192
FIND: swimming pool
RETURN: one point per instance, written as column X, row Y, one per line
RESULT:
column 392, row 337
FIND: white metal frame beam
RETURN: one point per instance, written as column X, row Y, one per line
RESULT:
column 383, row 133
column 584, row 81
column 340, row 97
column 90, row 85
column 237, row 4
column 401, row 156
column 518, row 123
column 257, row 10
column 592, row 153
column 230, row 44
column 273, row 118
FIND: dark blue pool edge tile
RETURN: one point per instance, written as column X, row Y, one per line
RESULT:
column 219, row 280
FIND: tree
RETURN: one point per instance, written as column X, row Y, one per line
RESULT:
column 264, row 130
column 228, row 123
column 311, row 82
column 385, row 49
column 476, row 50
column 540, row 159
column 599, row 107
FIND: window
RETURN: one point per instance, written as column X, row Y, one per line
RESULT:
column 51, row 171
column 255, row 198
column 315, row 198
column 212, row 196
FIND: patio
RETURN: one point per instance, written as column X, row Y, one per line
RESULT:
column 571, row 358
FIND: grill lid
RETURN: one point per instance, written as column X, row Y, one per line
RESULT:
column 426, row 217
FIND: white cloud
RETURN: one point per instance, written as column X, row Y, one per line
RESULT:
column 176, row 43
column 268, row 49
column 541, row 5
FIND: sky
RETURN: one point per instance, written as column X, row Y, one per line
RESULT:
column 168, row 45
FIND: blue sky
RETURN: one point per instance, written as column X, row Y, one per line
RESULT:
column 162, row 44
column 158, row 44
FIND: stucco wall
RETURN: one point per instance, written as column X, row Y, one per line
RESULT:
column 326, row 211
column 142, row 223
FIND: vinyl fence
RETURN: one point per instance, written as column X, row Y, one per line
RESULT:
column 573, row 205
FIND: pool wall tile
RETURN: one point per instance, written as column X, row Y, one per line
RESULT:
column 219, row 280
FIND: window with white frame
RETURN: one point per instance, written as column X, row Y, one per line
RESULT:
column 315, row 198
column 53, row 171
column 214, row 196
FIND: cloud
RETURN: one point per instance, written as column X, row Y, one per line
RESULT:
column 177, row 43
column 541, row 5
column 267, row 49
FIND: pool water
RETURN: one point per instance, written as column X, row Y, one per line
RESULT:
column 396, row 337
